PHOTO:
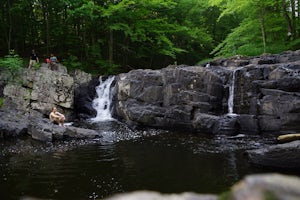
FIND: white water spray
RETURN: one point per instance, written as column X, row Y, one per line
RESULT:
column 102, row 104
column 231, row 92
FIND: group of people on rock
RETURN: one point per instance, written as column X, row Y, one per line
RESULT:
column 55, row 116
column 52, row 61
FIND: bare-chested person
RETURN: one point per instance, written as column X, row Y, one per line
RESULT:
column 57, row 117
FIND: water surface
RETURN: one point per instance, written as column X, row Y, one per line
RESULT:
column 124, row 160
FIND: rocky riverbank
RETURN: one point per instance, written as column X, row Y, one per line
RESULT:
column 225, row 96
column 240, row 95
column 29, row 97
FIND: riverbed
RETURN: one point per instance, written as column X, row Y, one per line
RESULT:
column 123, row 160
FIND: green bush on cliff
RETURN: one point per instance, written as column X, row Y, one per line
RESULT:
column 72, row 63
column 1, row 102
column 12, row 62
column 36, row 65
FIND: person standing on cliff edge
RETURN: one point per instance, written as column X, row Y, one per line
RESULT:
column 33, row 59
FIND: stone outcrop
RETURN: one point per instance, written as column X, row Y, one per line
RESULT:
column 40, row 90
column 171, row 97
column 84, row 96
column 13, row 124
column 266, row 95
column 28, row 100
column 45, row 131
column 285, row 156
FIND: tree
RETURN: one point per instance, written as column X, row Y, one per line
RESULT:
column 265, row 17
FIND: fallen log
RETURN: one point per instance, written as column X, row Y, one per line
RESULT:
column 288, row 137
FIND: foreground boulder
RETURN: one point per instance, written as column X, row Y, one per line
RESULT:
column 150, row 195
column 266, row 186
column 252, row 187
column 285, row 156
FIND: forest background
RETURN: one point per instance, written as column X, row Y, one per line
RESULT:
column 114, row 36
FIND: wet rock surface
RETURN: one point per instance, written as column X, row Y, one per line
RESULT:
column 265, row 89
column 284, row 156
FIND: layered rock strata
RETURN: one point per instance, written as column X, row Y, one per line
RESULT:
column 266, row 96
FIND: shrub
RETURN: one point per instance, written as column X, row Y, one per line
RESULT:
column 12, row 62
column 1, row 102
column 72, row 63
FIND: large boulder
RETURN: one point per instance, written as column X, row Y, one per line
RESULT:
column 30, row 96
column 252, row 187
column 43, row 88
column 40, row 90
column 262, row 93
column 285, row 156
column 151, row 195
column 266, row 186
column 43, row 130
column 83, row 100
column 13, row 124
column 40, row 128
column 169, row 97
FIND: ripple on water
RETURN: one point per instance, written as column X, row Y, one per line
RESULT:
column 124, row 159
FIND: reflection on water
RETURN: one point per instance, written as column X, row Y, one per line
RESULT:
column 124, row 160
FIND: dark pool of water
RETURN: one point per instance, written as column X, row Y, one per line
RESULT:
column 124, row 160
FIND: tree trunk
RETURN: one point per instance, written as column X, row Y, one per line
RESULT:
column 10, row 27
column 84, row 41
column 110, row 47
column 293, row 6
column 287, row 18
column 263, row 30
column 47, row 28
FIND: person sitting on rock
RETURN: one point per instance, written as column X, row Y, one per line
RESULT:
column 57, row 117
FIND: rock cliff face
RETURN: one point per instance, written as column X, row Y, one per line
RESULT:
column 28, row 100
column 41, row 89
column 265, row 95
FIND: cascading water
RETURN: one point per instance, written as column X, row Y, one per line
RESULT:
column 102, row 104
column 231, row 92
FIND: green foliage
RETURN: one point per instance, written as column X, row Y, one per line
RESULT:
column 37, row 65
column 105, row 35
column 268, row 195
column 106, row 68
column 1, row 102
column 225, row 196
column 72, row 63
column 262, row 30
column 12, row 62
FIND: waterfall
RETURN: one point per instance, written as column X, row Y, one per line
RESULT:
column 102, row 104
column 231, row 92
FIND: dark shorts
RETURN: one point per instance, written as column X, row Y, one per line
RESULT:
column 54, row 122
